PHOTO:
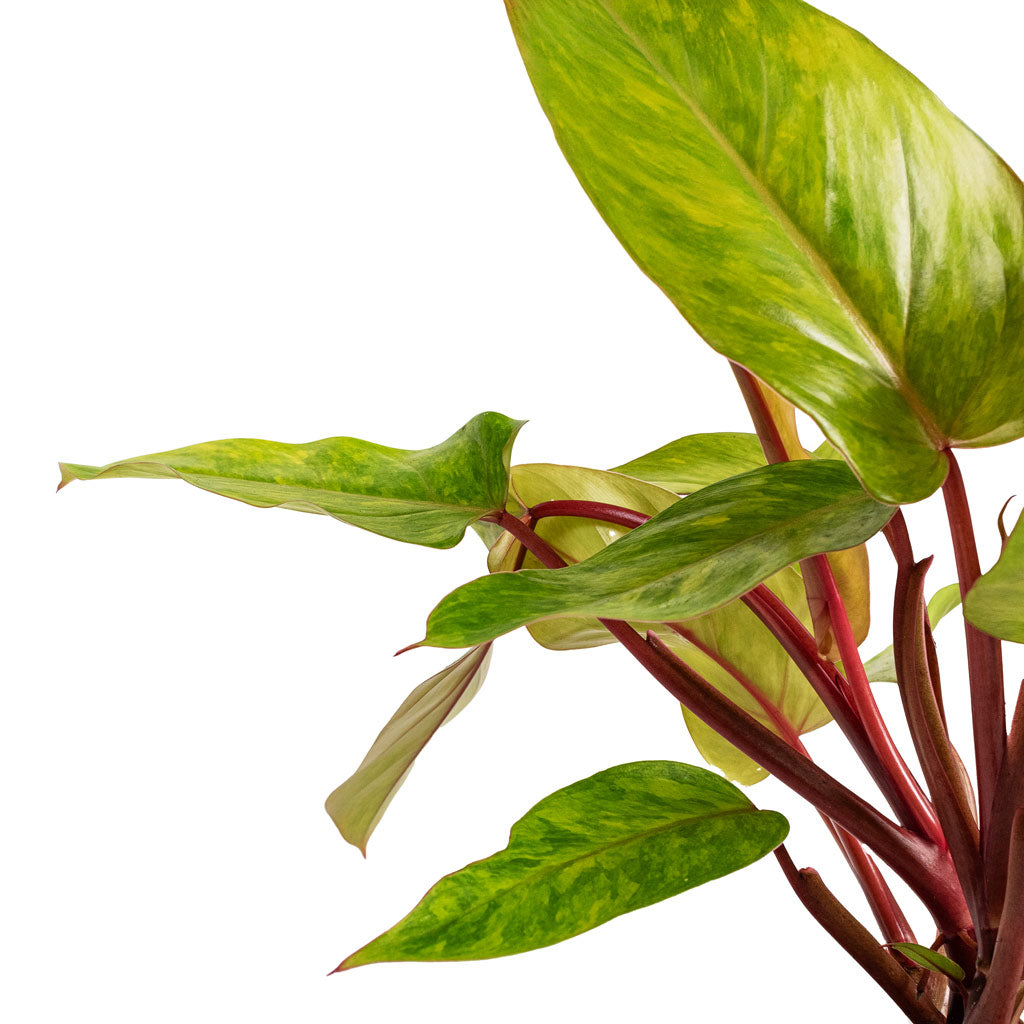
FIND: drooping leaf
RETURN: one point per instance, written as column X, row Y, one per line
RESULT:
column 738, row 655
column 810, row 207
column 424, row 497
column 996, row 602
column 618, row 841
column 929, row 959
column 359, row 803
column 882, row 667
column 697, row 555
column 690, row 463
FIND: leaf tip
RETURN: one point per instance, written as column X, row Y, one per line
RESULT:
column 411, row 647
column 67, row 474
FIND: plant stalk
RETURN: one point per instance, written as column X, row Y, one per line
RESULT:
column 984, row 653
column 881, row 965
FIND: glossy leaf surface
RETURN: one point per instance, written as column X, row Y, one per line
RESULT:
column 359, row 803
column 810, row 207
column 996, row 602
column 882, row 667
column 424, row 497
column 698, row 555
column 930, row 960
column 690, row 463
column 618, row 841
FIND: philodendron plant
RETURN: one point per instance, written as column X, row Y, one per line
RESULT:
column 855, row 252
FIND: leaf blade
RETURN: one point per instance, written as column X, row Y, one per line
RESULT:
column 428, row 496
column 690, row 463
column 621, row 840
column 358, row 804
column 929, row 959
column 701, row 553
column 750, row 159
column 995, row 603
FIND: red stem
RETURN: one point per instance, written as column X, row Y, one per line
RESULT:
column 916, row 804
column 1008, row 800
column 984, row 653
column 911, row 805
column 615, row 514
column 890, row 917
column 925, row 868
column 857, row 941
column 1001, row 996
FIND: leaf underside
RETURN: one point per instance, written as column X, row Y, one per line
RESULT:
column 358, row 804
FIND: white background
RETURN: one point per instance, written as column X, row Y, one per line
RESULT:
column 293, row 221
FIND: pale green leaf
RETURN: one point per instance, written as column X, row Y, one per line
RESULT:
column 621, row 840
column 359, row 803
column 741, row 658
column 424, row 497
column 690, row 463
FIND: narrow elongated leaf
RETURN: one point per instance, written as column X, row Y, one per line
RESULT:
column 929, row 959
column 882, row 667
column 618, row 841
column 996, row 602
column 359, row 803
column 690, row 463
column 424, row 497
column 697, row 555
column 809, row 206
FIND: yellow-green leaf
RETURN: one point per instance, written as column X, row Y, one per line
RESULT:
column 424, row 497
column 996, row 602
column 810, row 207
column 616, row 842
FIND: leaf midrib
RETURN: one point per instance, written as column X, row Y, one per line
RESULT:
column 792, row 230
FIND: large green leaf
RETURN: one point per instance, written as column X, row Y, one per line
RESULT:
column 425, row 497
column 882, row 667
column 697, row 555
column 359, row 803
column 690, row 463
column 996, row 602
column 809, row 206
column 618, row 841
